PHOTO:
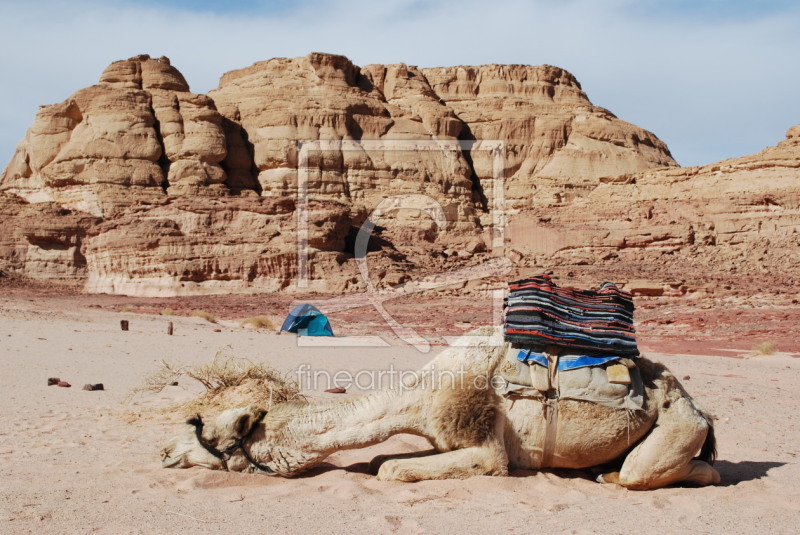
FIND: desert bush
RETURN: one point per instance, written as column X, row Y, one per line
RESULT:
column 208, row 316
column 167, row 312
column 228, row 382
column 764, row 348
column 259, row 322
column 127, row 308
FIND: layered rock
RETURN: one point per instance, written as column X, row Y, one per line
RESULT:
column 557, row 144
column 43, row 241
column 136, row 134
column 136, row 185
column 209, row 245
column 321, row 119
column 737, row 216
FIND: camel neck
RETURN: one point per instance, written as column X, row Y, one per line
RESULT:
column 299, row 436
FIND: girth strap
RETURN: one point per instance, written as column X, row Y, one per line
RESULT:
column 550, row 408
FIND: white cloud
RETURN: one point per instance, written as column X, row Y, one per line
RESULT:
column 709, row 87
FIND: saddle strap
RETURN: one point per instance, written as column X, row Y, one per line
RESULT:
column 550, row 408
column 550, row 432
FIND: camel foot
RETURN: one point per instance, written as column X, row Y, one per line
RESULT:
column 393, row 470
column 610, row 477
column 378, row 461
column 457, row 464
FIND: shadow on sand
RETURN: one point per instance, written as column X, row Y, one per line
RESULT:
column 731, row 473
column 735, row 473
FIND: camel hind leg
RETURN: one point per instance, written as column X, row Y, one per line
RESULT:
column 666, row 454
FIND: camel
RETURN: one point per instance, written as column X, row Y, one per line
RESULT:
column 473, row 429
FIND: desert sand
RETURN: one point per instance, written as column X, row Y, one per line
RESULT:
column 74, row 461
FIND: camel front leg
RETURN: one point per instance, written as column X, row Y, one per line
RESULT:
column 378, row 461
column 488, row 459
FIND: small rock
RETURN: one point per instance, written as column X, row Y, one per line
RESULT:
column 515, row 256
column 217, row 330
column 476, row 246
column 98, row 386
column 174, row 383
column 53, row 381
column 686, row 377
column 63, row 384
column 337, row 390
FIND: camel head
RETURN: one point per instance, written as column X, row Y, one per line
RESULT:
column 219, row 444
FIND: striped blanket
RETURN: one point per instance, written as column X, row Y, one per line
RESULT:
column 539, row 313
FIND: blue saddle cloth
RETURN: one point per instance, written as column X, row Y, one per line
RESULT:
column 566, row 362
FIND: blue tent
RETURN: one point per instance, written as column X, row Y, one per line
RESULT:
column 306, row 320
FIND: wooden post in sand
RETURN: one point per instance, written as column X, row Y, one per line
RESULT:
column 123, row 325
column 169, row 329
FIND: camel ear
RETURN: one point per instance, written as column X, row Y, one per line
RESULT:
column 246, row 422
column 197, row 421
column 243, row 425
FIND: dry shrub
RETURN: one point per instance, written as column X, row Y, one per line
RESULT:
column 167, row 312
column 127, row 308
column 259, row 322
column 229, row 382
column 764, row 348
column 167, row 375
column 208, row 316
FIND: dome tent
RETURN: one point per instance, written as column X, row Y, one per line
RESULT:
column 307, row 320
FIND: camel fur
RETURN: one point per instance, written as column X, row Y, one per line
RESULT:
column 473, row 430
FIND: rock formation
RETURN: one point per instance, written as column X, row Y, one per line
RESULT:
column 132, row 137
column 556, row 143
column 138, row 186
column 738, row 217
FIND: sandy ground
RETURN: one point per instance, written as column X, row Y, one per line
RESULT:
column 74, row 461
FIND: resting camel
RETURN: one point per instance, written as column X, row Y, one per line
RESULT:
column 473, row 429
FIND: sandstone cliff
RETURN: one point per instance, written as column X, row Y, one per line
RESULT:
column 136, row 185
column 135, row 136
column 557, row 144
column 736, row 218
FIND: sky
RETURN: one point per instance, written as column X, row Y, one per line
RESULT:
column 712, row 78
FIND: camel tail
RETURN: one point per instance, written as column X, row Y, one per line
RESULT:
column 708, row 452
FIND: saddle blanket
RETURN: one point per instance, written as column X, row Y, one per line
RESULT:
column 538, row 312
column 566, row 362
column 579, row 377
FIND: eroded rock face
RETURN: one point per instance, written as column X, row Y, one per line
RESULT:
column 138, row 186
column 281, row 106
column 216, row 245
column 43, row 241
column 737, row 216
column 557, row 144
column 132, row 137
